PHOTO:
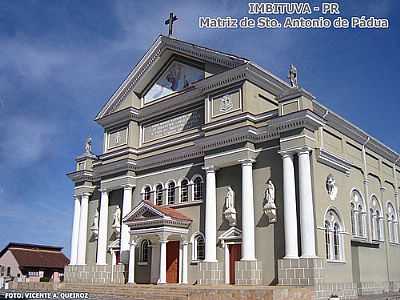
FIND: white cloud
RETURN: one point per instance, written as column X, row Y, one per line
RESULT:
column 25, row 140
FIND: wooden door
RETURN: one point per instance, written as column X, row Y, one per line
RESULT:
column 234, row 255
column 173, row 262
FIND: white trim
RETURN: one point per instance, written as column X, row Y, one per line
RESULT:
column 193, row 242
column 296, row 137
column 169, row 170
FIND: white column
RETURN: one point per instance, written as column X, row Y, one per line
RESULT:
column 75, row 231
column 211, row 216
column 289, row 207
column 307, row 228
column 131, row 271
column 163, row 261
column 248, row 236
column 226, row 258
column 103, row 224
column 126, row 209
column 184, row 262
column 83, row 230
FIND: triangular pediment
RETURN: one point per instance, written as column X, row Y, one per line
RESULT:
column 144, row 211
column 232, row 233
column 163, row 54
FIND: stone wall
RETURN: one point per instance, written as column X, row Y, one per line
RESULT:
column 95, row 274
column 301, row 271
column 248, row 272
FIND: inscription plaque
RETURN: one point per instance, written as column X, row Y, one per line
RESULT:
column 172, row 126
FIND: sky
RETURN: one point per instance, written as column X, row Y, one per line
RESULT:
column 60, row 61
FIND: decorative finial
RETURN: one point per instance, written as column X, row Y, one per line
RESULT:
column 293, row 76
column 88, row 146
column 170, row 22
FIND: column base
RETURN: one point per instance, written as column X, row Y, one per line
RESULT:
column 248, row 272
column 301, row 271
column 94, row 274
column 210, row 272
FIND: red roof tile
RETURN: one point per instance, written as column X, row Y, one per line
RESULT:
column 169, row 211
column 39, row 258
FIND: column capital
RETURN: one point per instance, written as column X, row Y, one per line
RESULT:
column 209, row 169
column 163, row 241
column 133, row 243
column 128, row 186
column 304, row 150
column 87, row 194
column 286, row 154
column 247, row 162
column 104, row 190
column 185, row 243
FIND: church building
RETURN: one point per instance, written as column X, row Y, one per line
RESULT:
column 215, row 171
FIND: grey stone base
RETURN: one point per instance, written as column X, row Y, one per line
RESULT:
column 210, row 273
column 248, row 272
column 344, row 290
column 374, row 288
column 301, row 271
column 95, row 274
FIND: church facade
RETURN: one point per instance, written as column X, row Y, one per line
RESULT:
column 215, row 171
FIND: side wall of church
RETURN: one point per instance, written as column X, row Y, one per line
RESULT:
column 366, row 264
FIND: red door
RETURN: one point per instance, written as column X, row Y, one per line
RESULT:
column 234, row 255
column 173, row 262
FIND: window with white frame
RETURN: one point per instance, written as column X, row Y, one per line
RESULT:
column 159, row 194
column 198, row 189
column 333, row 236
column 198, row 247
column 358, row 215
column 184, row 190
column 376, row 219
column 144, row 254
column 171, row 192
column 147, row 193
column 392, row 223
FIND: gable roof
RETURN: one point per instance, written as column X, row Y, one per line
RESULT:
column 160, row 45
column 42, row 256
column 160, row 212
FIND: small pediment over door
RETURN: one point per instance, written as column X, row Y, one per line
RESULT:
column 143, row 212
column 231, row 234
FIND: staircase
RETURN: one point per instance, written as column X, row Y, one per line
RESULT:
column 129, row 292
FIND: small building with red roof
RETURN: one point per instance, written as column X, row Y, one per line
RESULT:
column 18, row 260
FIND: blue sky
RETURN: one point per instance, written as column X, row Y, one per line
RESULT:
column 61, row 60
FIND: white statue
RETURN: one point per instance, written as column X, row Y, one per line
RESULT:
column 269, row 200
column 88, row 145
column 293, row 76
column 230, row 211
column 117, row 221
column 331, row 187
column 95, row 225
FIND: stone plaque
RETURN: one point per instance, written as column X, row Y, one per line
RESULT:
column 172, row 126
column 226, row 103
column 118, row 138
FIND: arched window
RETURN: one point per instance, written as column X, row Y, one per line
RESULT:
column 159, row 194
column 146, row 193
column 184, row 190
column 358, row 213
column 333, row 236
column 198, row 247
column 171, row 192
column 376, row 218
column 392, row 223
column 198, row 189
column 353, row 220
column 144, row 254
column 327, row 240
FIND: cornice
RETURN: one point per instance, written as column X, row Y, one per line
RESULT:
column 355, row 133
column 79, row 176
column 334, row 161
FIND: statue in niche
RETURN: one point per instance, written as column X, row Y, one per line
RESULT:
column 116, row 225
column 269, row 200
column 88, row 146
column 293, row 76
column 331, row 187
column 95, row 225
column 230, row 211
